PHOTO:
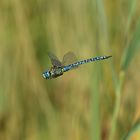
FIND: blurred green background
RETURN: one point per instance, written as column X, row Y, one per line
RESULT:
column 98, row 101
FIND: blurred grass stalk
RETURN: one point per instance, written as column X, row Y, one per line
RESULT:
column 95, row 106
column 100, row 32
column 127, row 56
column 132, row 131
column 118, row 94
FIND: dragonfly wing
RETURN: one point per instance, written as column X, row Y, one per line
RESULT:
column 69, row 58
column 54, row 60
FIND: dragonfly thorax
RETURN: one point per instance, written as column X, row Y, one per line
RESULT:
column 56, row 71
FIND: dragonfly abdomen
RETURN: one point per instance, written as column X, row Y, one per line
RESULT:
column 96, row 58
column 71, row 66
column 76, row 64
column 93, row 59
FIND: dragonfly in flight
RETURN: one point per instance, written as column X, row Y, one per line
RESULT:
column 69, row 62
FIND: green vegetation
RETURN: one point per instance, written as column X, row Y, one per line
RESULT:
column 97, row 101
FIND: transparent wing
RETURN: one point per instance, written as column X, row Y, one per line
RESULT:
column 54, row 60
column 69, row 58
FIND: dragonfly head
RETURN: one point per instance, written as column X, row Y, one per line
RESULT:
column 47, row 74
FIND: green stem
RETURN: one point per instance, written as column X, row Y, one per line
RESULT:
column 117, row 106
column 95, row 112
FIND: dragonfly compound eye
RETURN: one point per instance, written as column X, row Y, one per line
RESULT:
column 46, row 75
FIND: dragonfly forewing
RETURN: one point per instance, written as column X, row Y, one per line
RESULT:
column 54, row 60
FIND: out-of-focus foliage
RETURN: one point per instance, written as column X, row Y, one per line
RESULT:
column 98, row 101
column 135, row 129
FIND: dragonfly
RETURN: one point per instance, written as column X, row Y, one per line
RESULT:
column 69, row 62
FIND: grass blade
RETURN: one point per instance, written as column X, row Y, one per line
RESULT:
column 130, row 52
column 133, row 130
column 132, row 9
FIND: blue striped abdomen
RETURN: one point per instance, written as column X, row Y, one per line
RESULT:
column 76, row 64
